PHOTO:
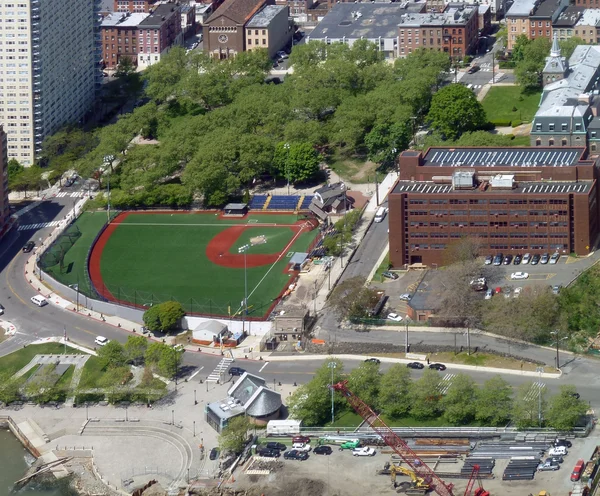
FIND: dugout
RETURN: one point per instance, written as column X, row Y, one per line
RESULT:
column 235, row 210
column 298, row 260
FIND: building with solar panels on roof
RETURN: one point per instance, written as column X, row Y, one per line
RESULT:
column 515, row 200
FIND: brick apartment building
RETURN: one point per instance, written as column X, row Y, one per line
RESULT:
column 119, row 32
column 4, row 207
column 133, row 5
column 515, row 200
column 158, row 33
column 454, row 31
column 533, row 18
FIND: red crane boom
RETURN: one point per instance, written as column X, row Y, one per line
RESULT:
column 472, row 479
column 393, row 441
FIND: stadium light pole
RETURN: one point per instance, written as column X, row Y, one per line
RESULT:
column 244, row 249
column 287, row 167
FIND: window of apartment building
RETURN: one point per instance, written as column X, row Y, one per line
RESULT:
column 564, row 126
column 249, row 41
column 538, row 142
column 551, row 126
column 264, row 41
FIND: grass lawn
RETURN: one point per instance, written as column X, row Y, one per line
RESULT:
column 89, row 223
column 16, row 361
column 92, row 372
column 500, row 100
column 382, row 268
column 520, row 141
column 351, row 419
column 65, row 379
column 353, row 169
column 157, row 257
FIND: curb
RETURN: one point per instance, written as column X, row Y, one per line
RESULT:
column 456, row 366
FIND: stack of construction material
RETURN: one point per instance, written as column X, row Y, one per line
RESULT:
column 510, row 450
column 520, row 469
column 486, row 466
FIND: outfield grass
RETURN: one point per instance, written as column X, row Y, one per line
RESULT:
column 17, row 360
column 500, row 101
column 89, row 224
column 157, row 257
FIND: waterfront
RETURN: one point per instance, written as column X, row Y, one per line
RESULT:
column 14, row 462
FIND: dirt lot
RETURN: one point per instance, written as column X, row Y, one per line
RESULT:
column 341, row 474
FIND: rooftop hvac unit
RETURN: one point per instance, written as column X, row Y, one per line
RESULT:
column 503, row 181
column 463, row 179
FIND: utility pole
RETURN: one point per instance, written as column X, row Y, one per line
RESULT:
column 332, row 366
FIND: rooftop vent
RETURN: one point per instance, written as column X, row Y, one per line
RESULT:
column 503, row 181
column 463, row 179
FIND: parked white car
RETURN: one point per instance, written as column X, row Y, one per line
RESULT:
column 395, row 317
column 301, row 447
column 526, row 258
column 365, row 451
column 405, row 297
column 557, row 451
column 519, row 275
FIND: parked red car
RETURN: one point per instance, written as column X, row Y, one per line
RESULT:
column 577, row 470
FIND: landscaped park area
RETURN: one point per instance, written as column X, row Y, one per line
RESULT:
column 510, row 106
column 53, row 372
column 144, row 258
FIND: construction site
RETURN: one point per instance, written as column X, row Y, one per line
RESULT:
column 381, row 462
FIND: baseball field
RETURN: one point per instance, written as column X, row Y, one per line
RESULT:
column 144, row 258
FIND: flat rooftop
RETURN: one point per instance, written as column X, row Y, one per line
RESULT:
column 364, row 20
column 523, row 187
column 503, row 157
column 123, row 20
column 263, row 17
column 160, row 15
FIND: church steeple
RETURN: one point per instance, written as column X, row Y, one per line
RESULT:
column 556, row 67
column 555, row 50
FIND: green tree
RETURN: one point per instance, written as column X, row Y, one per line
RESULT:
column 351, row 299
column 394, row 391
column 113, row 382
column 296, row 162
column 518, row 51
column 151, row 318
column 567, row 47
column 526, row 407
column 170, row 315
column 125, row 67
column 364, row 381
column 426, row 397
column 235, row 435
column 565, row 409
column 529, row 69
column 135, row 349
column 154, row 353
column 311, row 402
column 112, row 354
column 459, row 401
column 9, row 388
column 169, row 362
column 163, row 80
column 493, row 404
column 455, row 110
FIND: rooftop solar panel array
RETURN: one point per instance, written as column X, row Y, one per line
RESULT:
column 523, row 188
column 515, row 157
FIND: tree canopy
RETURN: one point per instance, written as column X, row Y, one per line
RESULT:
column 455, row 110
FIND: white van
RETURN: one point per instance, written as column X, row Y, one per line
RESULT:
column 40, row 301
column 100, row 340
column 380, row 215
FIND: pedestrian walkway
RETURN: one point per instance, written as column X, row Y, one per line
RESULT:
column 39, row 225
column 217, row 374
column 76, row 194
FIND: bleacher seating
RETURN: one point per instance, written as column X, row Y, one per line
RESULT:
column 306, row 202
column 283, row 202
column 258, row 202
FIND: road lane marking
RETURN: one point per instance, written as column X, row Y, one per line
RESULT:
column 262, row 368
column 10, row 285
column 86, row 330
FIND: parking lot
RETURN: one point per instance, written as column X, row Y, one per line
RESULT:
column 342, row 474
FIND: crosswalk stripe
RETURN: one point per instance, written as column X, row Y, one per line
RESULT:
column 39, row 225
column 446, row 382
column 221, row 367
column 535, row 389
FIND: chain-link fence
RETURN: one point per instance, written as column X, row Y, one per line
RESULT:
column 55, row 254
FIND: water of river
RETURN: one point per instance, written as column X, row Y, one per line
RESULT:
column 14, row 462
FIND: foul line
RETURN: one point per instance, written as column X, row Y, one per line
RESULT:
column 202, row 225
column 284, row 251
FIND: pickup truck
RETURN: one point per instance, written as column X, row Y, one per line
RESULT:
column 350, row 445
